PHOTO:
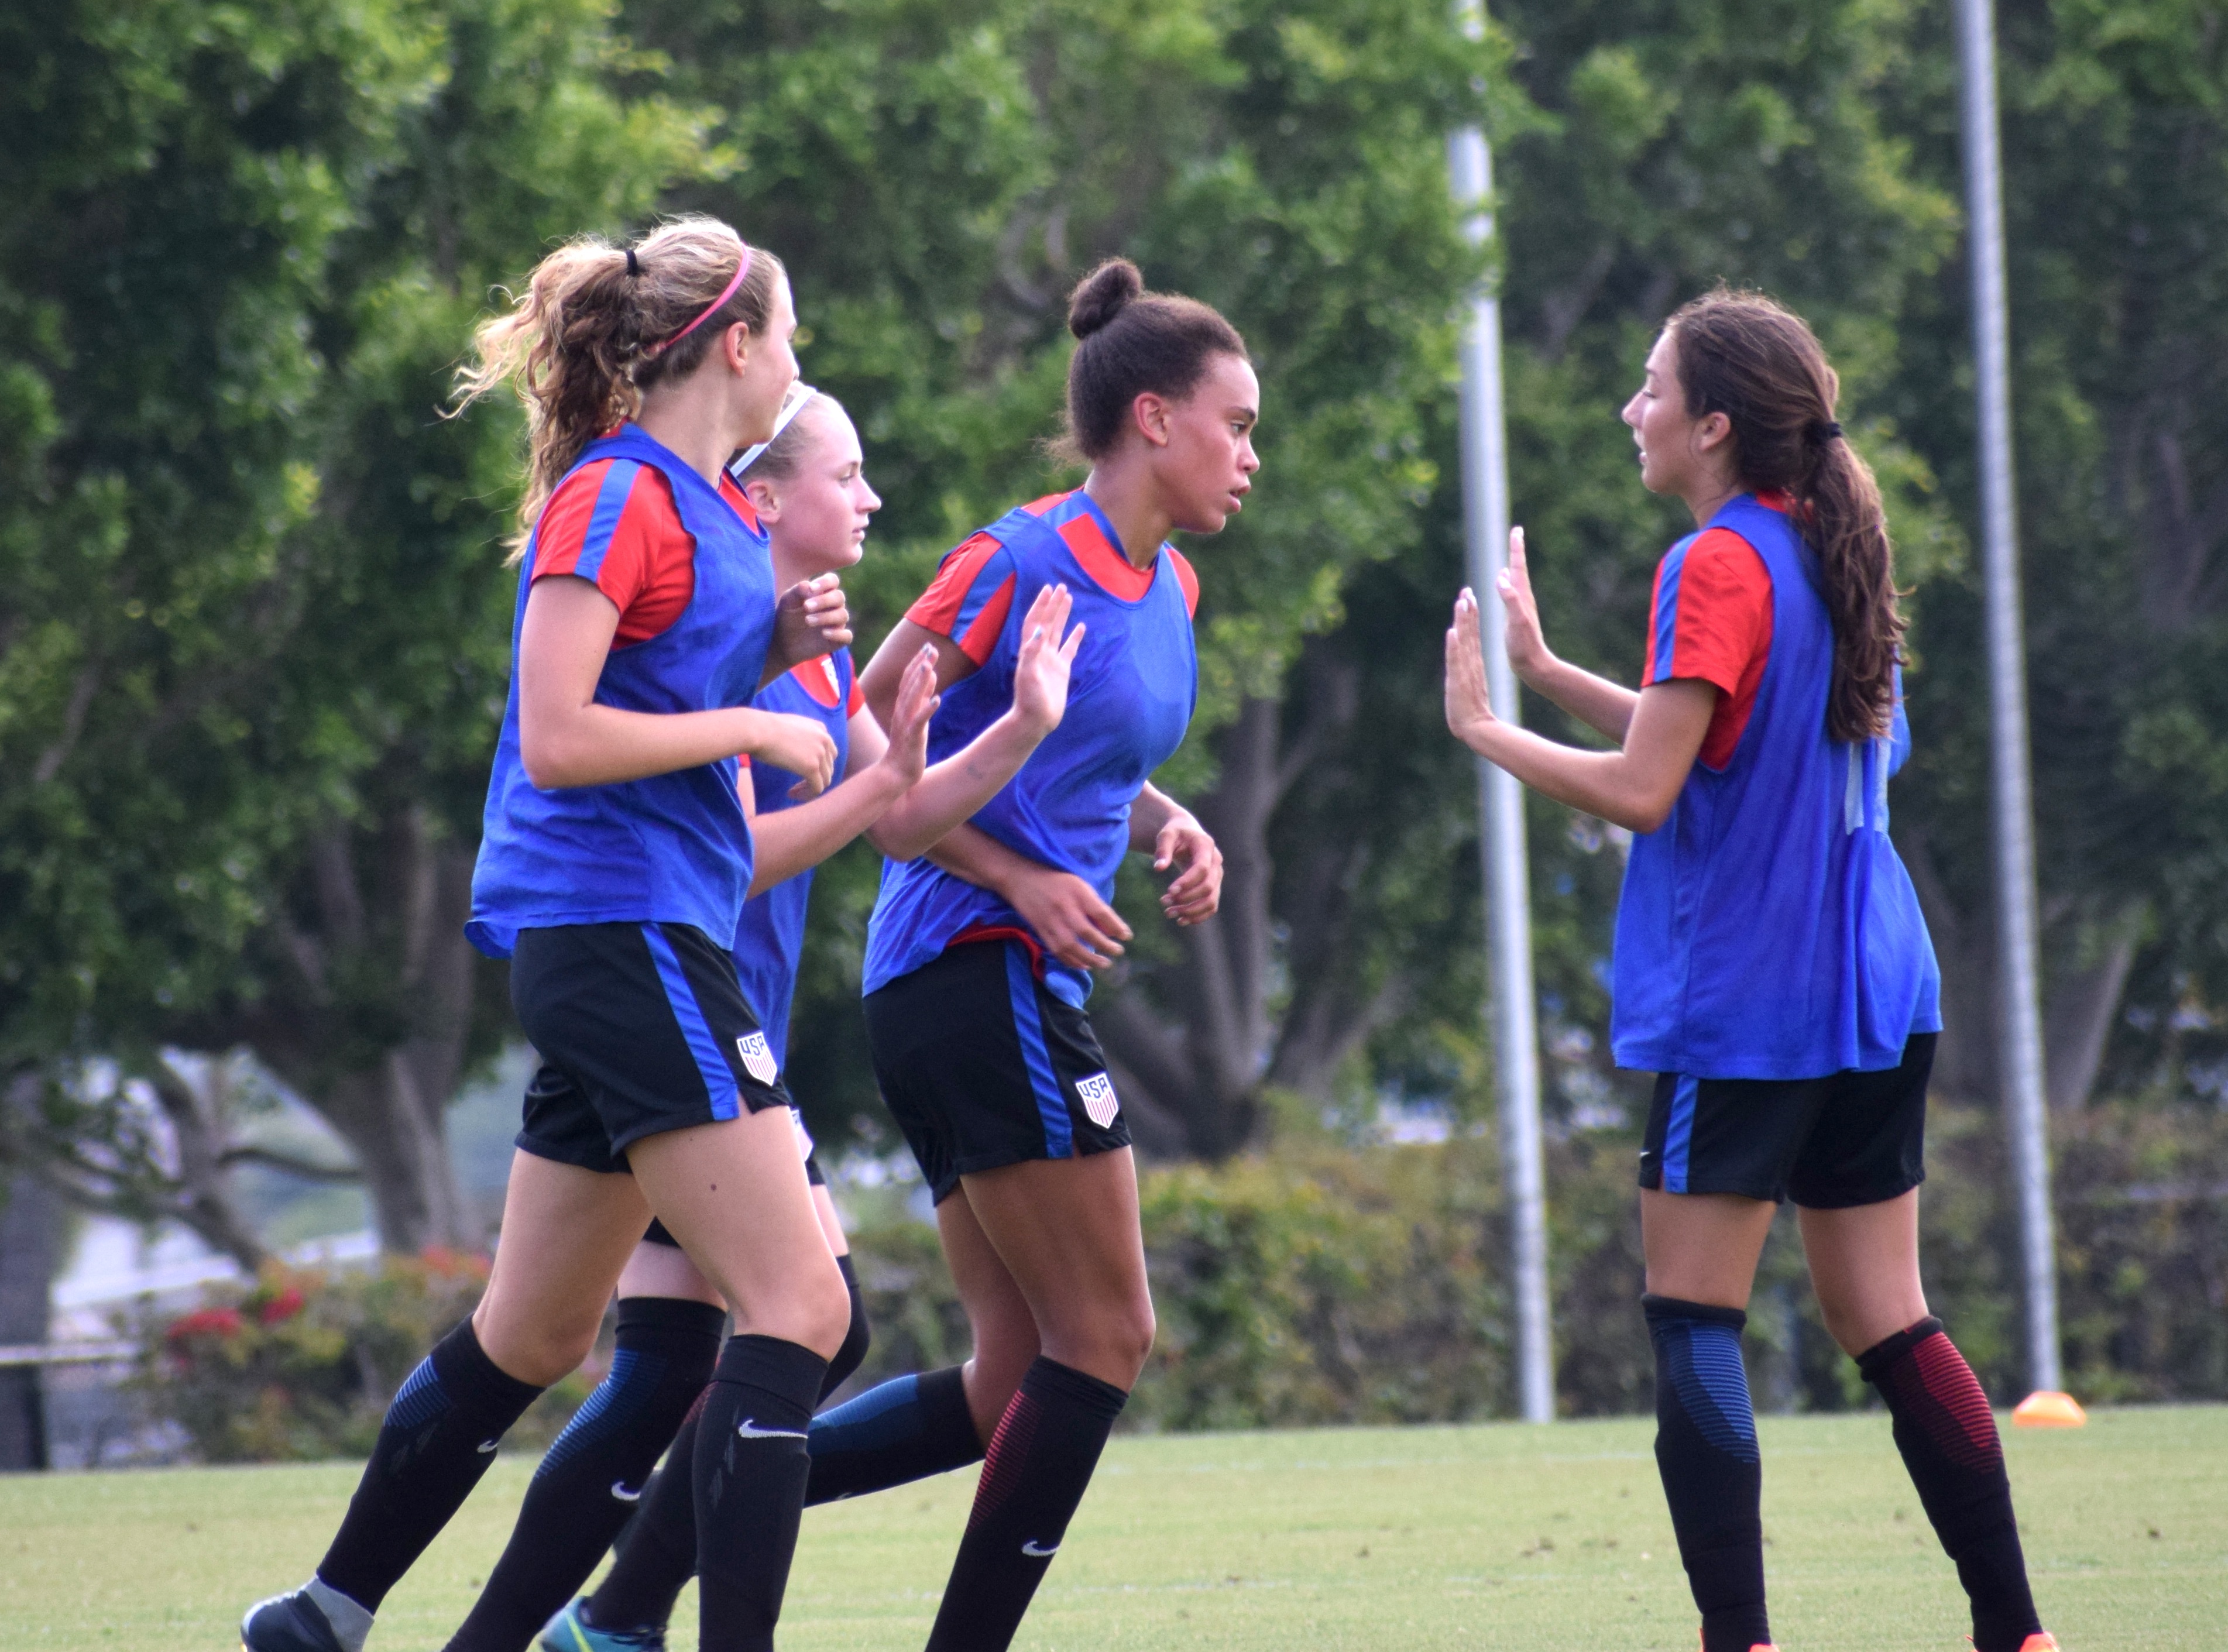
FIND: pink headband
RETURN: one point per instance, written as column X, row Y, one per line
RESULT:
column 709, row 311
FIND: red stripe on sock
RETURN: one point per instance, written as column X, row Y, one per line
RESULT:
column 1946, row 1396
column 1001, row 1464
column 696, row 1405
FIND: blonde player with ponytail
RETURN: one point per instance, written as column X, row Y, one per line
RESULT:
column 613, row 866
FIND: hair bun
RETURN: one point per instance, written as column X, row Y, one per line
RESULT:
column 1102, row 294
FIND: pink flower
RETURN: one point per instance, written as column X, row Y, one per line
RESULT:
column 282, row 1307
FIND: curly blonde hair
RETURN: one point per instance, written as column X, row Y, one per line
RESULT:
column 583, row 342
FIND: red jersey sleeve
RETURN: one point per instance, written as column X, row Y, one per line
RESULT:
column 613, row 524
column 1188, row 579
column 1712, row 623
column 969, row 597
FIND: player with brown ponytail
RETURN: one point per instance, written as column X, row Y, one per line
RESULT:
column 1771, row 965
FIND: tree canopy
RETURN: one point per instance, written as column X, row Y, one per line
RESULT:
column 253, row 650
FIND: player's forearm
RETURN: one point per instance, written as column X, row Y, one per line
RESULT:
column 790, row 840
column 1601, row 705
column 952, row 790
column 1611, row 785
column 1153, row 809
column 597, row 745
column 970, row 853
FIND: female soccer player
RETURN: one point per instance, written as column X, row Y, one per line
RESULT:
column 612, row 869
column 808, row 487
column 980, row 1041
column 1771, row 965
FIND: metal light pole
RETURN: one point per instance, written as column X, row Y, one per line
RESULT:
column 2020, row 1029
column 1501, row 800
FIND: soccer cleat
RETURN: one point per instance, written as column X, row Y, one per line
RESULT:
column 288, row 1622
column 570, row 1632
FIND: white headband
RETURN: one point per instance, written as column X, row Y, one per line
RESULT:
column 800, row 393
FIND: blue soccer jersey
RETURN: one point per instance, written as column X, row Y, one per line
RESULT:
column 1129, row 700
column 668, row 849
column 770, row 938
column 1768, row 929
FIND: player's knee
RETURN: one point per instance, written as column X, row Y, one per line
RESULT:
column 1125, row 1335
column 820, row 1312
column 541, row 1351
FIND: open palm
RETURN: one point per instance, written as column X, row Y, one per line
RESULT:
column 1040, row 675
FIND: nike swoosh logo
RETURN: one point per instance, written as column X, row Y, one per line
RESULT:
column 488, row 1445
column 749, row 1430
column 1036, row 1551
column 619, row 1491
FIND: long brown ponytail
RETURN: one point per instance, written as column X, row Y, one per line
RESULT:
column 1758, row 363
column 588, row 337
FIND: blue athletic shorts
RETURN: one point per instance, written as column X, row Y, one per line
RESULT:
column 983, row 1065
column 1829, row 1144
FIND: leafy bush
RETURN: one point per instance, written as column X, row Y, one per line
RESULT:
column 1315, row 1284
column 302, row 1363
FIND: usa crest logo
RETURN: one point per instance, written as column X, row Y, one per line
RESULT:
column 1099, row 1101
column 757, row 1060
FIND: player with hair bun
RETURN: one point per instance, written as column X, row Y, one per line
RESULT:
column 978, row 954
column 1771, row 965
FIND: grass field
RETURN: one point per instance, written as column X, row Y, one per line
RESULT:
column 1504, row 1536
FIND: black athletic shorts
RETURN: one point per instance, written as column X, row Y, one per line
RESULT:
column 1851, row 1138
column 981, row 1065
column 641, row 1028
column 813, row 1174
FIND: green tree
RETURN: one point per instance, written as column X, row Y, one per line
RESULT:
column 2116, row 133
column 250, row 691
column 938, row 178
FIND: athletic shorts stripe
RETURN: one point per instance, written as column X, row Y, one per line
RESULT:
column 603, row 520
column 1052, row 1104
column 719, row 1077
column 1679, row 1138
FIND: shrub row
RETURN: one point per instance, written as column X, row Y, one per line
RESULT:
column 1316, row 1285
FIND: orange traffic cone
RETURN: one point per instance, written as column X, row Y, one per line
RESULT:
column 2046, row 1408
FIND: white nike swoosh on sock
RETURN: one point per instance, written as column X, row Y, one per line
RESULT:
column 1036, row 1551
column 489, row 1445
column 749, row 1430
column 619, row 1491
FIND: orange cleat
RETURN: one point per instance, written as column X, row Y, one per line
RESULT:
column 2038, row 1641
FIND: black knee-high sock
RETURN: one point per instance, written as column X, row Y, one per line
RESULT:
column 1948, row 1441
column 1712, row 1473
column 660, row 1555
column 1034, row 1474
column 750, row 1467
column 437, row 1439
column 592, row 1475
column 856, row 1340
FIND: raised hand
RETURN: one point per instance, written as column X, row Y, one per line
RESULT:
column 810, row 621
column 1526, row 644
column 1470, row 708
column 917, row 700
column 1040, row 672
column 1067, row 916
column 799, row 745
column 1197, row 890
